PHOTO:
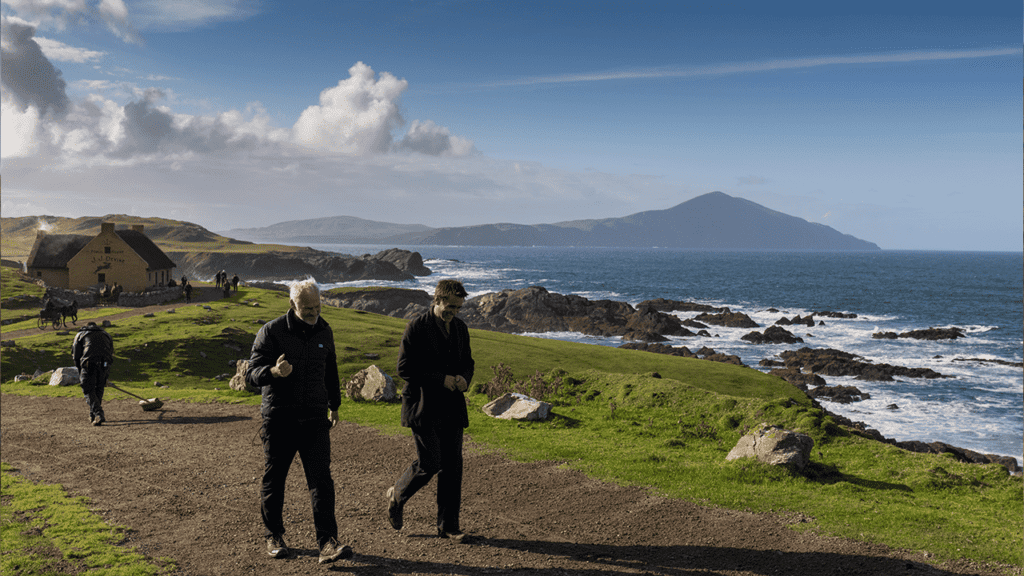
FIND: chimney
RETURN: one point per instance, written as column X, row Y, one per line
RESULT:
column 106, row 227
column 139, row 228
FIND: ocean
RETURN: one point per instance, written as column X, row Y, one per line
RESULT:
column 979, row 407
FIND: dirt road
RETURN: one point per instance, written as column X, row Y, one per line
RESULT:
column 186, row 481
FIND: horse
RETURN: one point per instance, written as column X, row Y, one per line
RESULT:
column 69, row 312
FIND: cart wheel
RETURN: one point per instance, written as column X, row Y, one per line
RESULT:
column 41, row 323
column 56, row 323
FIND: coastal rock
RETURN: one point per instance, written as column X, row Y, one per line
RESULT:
column 775, row 446
column 280, row 265
column 665, row 305
column 404, row 260
column 396, row 302
column 772, row 335
column 534, row 309
column 840, row 394
column 727, row 319
column 659, row 349
column 797, row 320
column 830, row 314
column 961, row 454
column 926, row 334
column 517, row 407
column 801, row 380
column 831, row 362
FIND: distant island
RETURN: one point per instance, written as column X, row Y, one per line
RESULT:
column 713, row 221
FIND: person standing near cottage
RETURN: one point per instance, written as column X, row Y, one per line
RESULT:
column 93, row 353
column 234, row 282
column 186, row 287
column 437, row 365
column 295, row 364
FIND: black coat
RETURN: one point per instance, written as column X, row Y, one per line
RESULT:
column 425, row 357
column 313, row 384
column 92, row 345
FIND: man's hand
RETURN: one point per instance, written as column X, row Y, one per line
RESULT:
column 282, row 369
column 333, row 417
column 455, row 383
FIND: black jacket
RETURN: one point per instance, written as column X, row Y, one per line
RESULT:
column 425, row 357
column 92, row 345
column 313, row 384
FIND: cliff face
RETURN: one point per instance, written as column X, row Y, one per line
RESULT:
column 323, row 266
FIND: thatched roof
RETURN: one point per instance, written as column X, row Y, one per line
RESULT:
column 56, row 250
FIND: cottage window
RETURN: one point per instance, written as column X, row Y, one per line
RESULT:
column 106, row 249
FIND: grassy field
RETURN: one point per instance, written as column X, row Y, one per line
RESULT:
column 623, row 416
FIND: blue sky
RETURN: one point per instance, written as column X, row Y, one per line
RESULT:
column 896, row 122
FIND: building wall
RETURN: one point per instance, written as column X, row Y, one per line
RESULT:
column 51, row 276
column 106, row 259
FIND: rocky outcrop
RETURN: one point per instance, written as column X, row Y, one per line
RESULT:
column 961, row 454
column 831, row 362
column 775, row 446
column 665, row 305
column 772, row 335
column 397, row 302
column 926, row 334
column 727, row 319
column 802, row 380
column 796, row 320
column 302, row 263
column 534, row 309
column 840, row 394
column 404, row 260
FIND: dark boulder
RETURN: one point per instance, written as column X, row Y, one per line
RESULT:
column 397, row 302
column 840, row 394
column 665, row 305
column 727, row 319
column 831, row 362
column 534, row 309
column 772, row 335
column 801, row 380
column 925, row 334
column 404, row 260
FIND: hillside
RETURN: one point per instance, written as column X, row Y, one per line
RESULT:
column 713, row 221
column 328, row 230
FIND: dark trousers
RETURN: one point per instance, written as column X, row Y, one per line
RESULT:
column 311, row 439
column 438, row 452
column 94, row 383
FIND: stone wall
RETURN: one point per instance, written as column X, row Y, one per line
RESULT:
column 84, row 299
column 148, row 298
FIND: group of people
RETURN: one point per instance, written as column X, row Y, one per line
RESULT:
column 221, row 281
column 294, row 363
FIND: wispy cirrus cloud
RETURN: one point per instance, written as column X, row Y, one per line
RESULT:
column 756, row 66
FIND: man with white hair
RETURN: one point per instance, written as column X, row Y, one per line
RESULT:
column 295, row 364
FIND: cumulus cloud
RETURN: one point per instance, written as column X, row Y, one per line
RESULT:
column 59, row 14
column 359, row 115
column 26, row 75
column 61, row 52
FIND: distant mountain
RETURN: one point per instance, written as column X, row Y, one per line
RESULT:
column 713, row 221
column 328, row 230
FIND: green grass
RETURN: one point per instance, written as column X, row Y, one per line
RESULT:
column 45, row 532
column 614, row 419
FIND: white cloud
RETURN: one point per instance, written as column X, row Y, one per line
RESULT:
column 61, row 52
column 60, row 14
column 26, row 75
column 761, row 66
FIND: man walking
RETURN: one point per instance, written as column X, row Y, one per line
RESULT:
column 93, row 353
column 294, row 362
column 437, row 365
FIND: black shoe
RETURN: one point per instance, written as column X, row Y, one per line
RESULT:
column 394, row 510
column 456, row 536
column 331, row 551
column 276, row 547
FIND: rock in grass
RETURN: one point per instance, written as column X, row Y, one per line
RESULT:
column 776, row 446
